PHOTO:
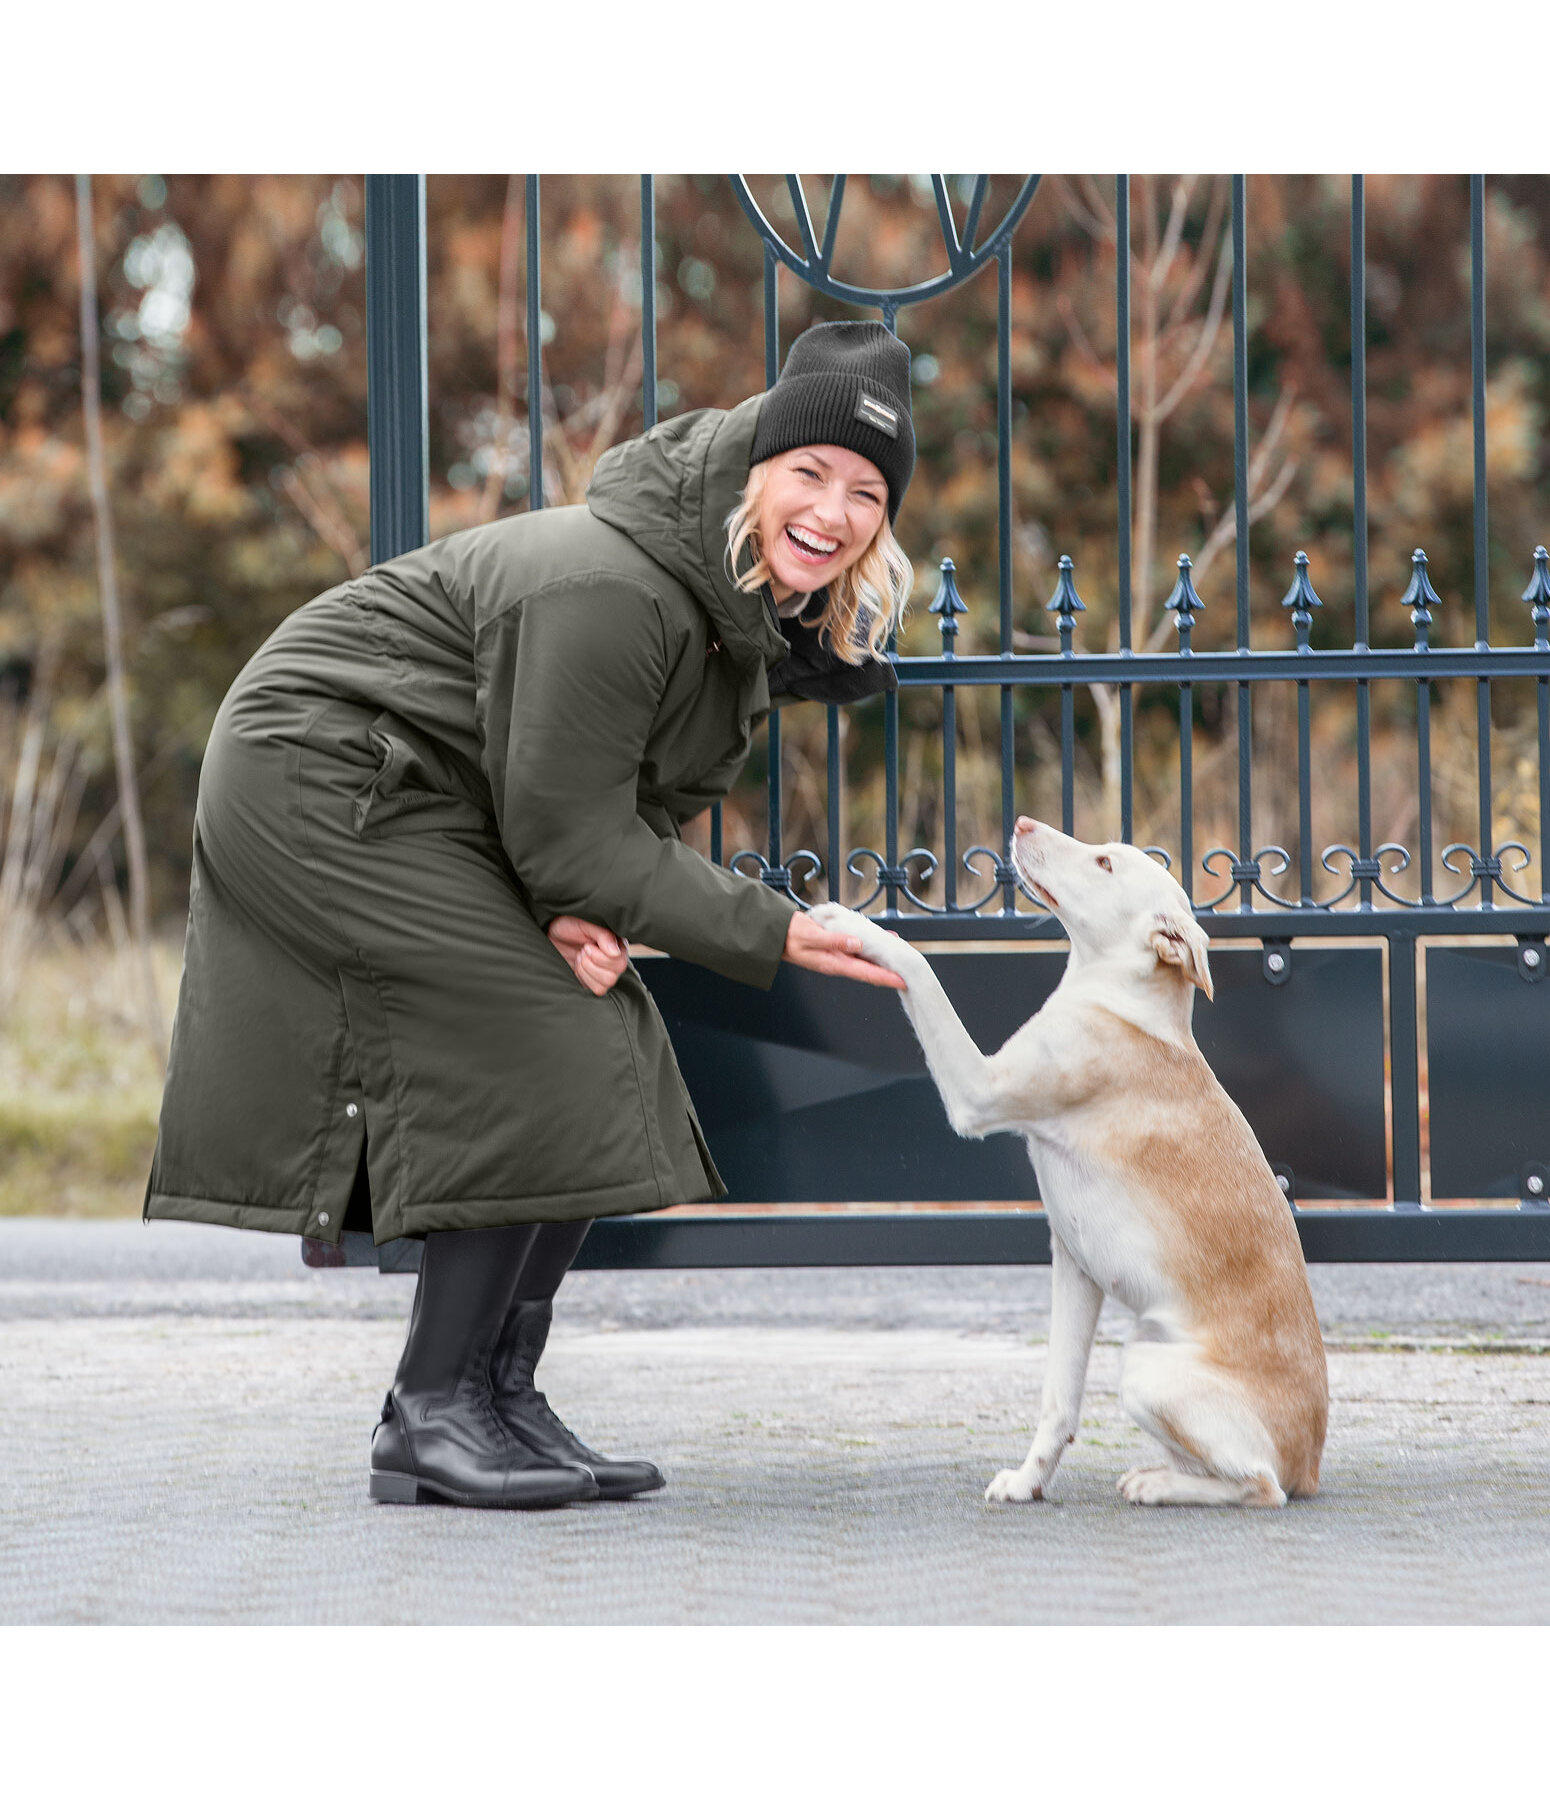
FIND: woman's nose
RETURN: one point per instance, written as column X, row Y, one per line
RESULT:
column 830, row 505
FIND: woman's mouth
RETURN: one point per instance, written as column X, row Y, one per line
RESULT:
column 810, row 546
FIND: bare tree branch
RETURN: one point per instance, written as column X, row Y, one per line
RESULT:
column 1089, row 222
column 1178, row 212
column 325, row 519
column 1102, row 205
column 1083, row 343
column 1204, row 343
column 505, row 352
column 308, row 486
column 112, row 617
column 1200, row 264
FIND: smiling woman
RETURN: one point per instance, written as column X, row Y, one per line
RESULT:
column 437, row 807
column 831, row 460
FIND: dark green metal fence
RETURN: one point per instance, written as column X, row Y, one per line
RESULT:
column 815, row 1097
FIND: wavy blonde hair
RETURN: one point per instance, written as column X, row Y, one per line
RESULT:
column 865, row 603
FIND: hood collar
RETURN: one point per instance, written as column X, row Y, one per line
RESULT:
column 671, row 491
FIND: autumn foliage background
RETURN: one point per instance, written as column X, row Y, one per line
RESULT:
column 232, row 310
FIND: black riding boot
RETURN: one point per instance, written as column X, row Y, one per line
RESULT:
column 525, row 1332
column 440, row 1436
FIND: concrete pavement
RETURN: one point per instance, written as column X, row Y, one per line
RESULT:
column 186, row 1412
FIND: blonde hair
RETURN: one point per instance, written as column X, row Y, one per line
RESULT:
column 865, row 603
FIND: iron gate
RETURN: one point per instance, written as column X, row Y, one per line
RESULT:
column 814, row 1096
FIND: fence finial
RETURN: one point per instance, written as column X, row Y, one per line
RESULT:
column 1537, row 594
column 1302, row 599
column 948, row 605
column 1184, row 601
column 1420, row 597
column 1065, row 603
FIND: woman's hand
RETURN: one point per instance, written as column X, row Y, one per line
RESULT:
column 597, row 956
column 809, row 946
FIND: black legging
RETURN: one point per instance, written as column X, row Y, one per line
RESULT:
column 545, row 1251
column 548, row 1257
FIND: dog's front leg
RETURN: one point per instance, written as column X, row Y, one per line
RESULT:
column 1075, row 1302
column 968, row 1080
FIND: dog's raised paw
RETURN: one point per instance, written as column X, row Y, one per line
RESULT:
column 1012, row 1484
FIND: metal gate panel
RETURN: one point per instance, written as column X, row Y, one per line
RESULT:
column 1303, row 1059
column 1488, row 1061
column 816, row 1092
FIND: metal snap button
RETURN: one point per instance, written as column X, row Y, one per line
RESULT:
column 322, row 1218
column 351, row 1110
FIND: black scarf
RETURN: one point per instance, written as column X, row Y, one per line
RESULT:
column 811, row 671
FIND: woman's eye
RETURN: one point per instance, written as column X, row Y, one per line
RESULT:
column 1104, row 863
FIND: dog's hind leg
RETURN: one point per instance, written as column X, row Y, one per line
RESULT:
column 1075, row 1301
column 1219, row 1451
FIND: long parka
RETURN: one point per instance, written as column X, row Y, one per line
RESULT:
column 413, row 776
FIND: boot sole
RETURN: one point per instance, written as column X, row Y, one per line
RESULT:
column 629, row 1492
column 413, row 1490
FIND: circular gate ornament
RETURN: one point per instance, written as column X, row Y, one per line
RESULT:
column 814, row 262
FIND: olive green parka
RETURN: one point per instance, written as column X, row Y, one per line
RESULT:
column 413, row 776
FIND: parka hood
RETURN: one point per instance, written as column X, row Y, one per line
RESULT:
column 671, row 491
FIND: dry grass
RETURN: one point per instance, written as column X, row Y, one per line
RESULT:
column 80, row 1084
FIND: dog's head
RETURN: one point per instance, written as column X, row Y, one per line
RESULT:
column 1114, row 901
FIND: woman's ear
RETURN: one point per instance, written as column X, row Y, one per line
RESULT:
column 1177, row 939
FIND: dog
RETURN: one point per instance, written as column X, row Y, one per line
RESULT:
column 1156, row 1191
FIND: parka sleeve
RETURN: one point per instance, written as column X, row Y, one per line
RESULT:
column 569, row 682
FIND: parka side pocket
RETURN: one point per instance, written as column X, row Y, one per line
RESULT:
column 411, row 777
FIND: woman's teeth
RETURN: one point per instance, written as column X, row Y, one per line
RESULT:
column 811, row 548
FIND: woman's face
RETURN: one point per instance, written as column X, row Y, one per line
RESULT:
column 821, row 509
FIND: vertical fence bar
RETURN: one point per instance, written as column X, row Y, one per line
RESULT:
column 648, row 298
column 1304, row 795
column 535, row 355
column 1544, row 789
column 1004, row 541
column 836, row 776
column 397, row 386
column 1423, row 759
column 1122, row 376
column 1187, row 786
column 1240, row 434
column 1482, row 535
column 1359, row 525
column 1405, row 1079
column 771, row 372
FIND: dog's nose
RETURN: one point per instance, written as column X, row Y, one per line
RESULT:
column 1025, row 824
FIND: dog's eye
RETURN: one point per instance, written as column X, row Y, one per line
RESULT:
column 1104, row 863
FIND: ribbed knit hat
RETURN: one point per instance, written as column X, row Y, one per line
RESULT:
column 846, row 383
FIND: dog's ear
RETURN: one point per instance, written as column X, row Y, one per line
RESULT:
column 1177, row 939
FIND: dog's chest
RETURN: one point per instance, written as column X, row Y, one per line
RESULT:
column 1097, row 1218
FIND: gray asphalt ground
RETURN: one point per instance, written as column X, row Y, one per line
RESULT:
column 186, row 1412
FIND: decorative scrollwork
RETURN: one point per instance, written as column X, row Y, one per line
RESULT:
column 801, row 866
column 1478, row 866
column 814, row 262
column 1003, row 875
column 1369, row 870
column 892, row 882
column 1525, row 859
column 1249, row 872
column 1158, row 854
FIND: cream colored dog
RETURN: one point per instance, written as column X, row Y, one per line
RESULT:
column 1156, row 1190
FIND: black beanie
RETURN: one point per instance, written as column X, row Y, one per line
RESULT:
column 848, row 384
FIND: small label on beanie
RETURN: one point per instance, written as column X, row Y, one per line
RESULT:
column 873, row 412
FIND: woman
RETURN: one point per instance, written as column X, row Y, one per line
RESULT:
column 436, row 807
